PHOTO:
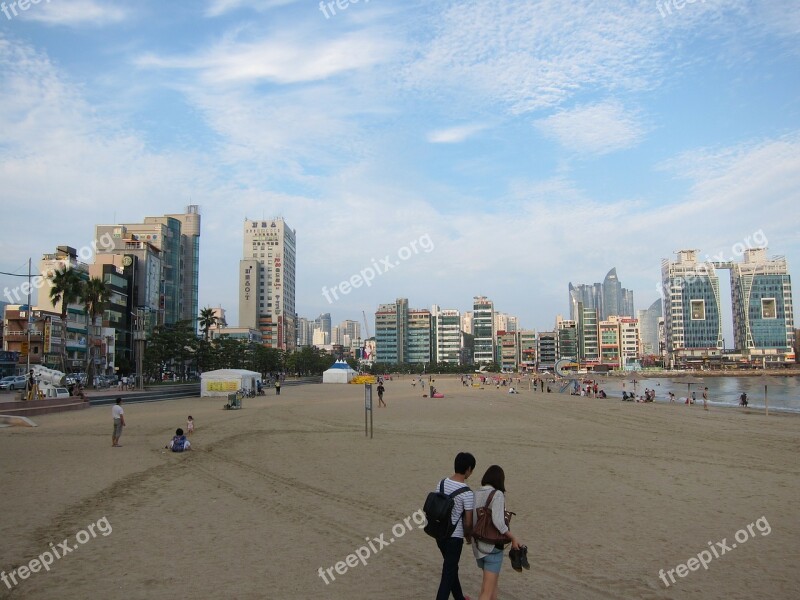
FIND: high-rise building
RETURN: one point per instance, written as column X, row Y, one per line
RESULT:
column 483, row 330
column 267, row 282
column 692, row 323
column 352, row 329
column 305, row 332
column 547, row 350
column 447, row 340
column 630, row 339
column 391, row 325
column 507, row 350
column 115, row 340
column 763, row 314
column 466, row 322
column 588, row 335
column 504, row 322
column 189, row 267
column 619, row 341
column 607, row 298
column 324, row 323
column 527, row 349
column 419, row 336
column 567, row 330
column 166, row 251
column 648, row 327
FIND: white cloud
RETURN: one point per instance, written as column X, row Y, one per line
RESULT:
column 283, row 59
column 533, row 55
column 594, row 129
column 456, row 134
column 76, row 13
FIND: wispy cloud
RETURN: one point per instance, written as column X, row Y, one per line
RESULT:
column 77, row 13
column 536, row 55
column 456, row 134
column 594, row 129
column 281, row 59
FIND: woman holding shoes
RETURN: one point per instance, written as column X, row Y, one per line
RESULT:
column 490, row 556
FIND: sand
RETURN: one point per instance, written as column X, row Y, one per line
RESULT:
column 606, row 494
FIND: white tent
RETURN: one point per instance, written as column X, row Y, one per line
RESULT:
column 227, row 381
column 340, row 372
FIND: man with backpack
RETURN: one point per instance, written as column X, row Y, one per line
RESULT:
column 449, row 512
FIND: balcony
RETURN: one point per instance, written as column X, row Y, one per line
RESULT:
column 21, row 336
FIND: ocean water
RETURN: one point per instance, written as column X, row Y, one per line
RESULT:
column 783, row 392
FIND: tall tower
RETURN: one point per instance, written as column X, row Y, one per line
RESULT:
column 692, row 323
column 189, row 271
column 267, row 282
column 763, row 317
column 483, row 329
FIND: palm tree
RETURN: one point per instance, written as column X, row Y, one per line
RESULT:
column 95, row 295
column 65, row 288
column 207, row 320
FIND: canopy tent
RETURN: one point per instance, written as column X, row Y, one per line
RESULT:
column 225, row 381
column 340, row 372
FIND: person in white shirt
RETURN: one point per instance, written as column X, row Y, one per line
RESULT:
column 119, row 422
column 462, row 518
column 488, row 556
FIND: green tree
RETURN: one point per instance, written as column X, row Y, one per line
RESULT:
column 95, row 295
column 65, row 288
column 171, row 348
column 207, row 320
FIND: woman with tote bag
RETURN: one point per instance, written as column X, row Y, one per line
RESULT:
column 493, row 527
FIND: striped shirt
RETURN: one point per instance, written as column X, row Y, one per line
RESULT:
column 463, row 502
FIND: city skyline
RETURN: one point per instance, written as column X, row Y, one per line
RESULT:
column 391, row 123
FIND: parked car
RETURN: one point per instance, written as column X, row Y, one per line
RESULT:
column 16, row 382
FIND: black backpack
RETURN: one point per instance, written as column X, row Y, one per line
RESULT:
column 438, row 510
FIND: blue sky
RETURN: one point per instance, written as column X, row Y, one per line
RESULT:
column 533, row 142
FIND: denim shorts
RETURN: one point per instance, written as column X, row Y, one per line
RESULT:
column 491, row 562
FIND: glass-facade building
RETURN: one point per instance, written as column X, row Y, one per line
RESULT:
column 763, row 314
column 483, row 329
column 692, row 323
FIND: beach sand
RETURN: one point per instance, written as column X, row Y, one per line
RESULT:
column 606, row 494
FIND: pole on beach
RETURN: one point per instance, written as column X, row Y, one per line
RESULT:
column 368, row 409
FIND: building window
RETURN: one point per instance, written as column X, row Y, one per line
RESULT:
column 698, row 310
column 768, row 308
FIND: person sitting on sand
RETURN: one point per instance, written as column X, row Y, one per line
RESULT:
column 511, row 390
column 179, row 443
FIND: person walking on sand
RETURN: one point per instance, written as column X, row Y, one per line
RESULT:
column 461, row 517
column 277, row 386
column 189, row 425
column 705, row 398
column 381, row 389
column 119, row 422
column 488, row 556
